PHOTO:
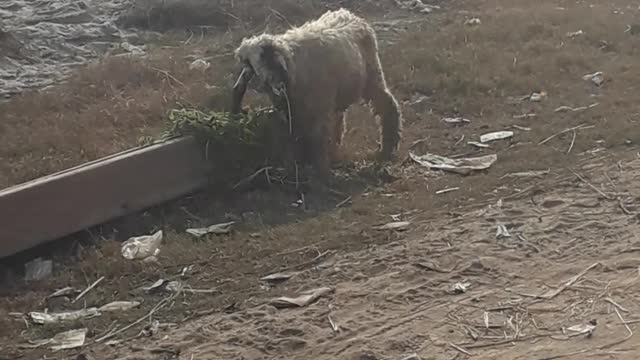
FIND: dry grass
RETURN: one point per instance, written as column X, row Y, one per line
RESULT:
column 199, row 15
column 104, row 108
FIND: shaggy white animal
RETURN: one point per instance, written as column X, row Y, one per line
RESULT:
column 314, row 73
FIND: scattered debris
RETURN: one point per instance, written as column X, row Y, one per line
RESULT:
column 502, row 232
column 417, row 5
column 444, row 191
column 65, row 340
column 565, row 108
column 534, row 173
column 525, row 116
column 412, row 356
column 461, row 166
column 582, row 329
column 142, row 247
column 597, row 78
column 417, row 99
column 473, row 22
column 38, row 269
column 119, row 306
column 200, row 65
column 277, row 277
column 575, row 33
column 460, row 288
column 553, row 293
column 477, row 144
column 55, row 318
column 396, row 225
column 304, row 299
column 150, row 329
column 133, row 49
column 67, row 291
column 431, row 266
column 155, row 286
column 579, row 127
column 523, row 128
column 334, row 326
column 456, row 120
column 633, row 29
column 217, row 229
column 536, row 96
column 85, row 291
column 498, row 135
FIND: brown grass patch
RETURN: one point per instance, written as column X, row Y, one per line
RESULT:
column 102, row 109
column 163, row 15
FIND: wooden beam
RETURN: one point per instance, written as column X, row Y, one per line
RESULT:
column 69, row 201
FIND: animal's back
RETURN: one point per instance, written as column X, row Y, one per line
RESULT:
column 335, row 23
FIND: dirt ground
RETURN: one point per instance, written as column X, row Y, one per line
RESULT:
column 507, row 265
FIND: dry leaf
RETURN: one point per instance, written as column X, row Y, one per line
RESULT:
column 217, row 229
column 277, row 277
column 396, row 225
column 119, row 306
column 55, row 318
column 498, row 135
column 462, row 166
column 304, row 299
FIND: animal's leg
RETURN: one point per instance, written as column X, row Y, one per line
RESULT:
column 384, row 104
column 338, row 127
column 319, row 141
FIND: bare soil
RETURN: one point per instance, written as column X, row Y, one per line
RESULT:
column 570, row 257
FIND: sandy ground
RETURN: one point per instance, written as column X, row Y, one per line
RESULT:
column 506, row 265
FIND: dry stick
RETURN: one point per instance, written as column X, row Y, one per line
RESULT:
column 166, row 73
column 608, row 197
column 162, row 303
column 460, row 349
column 83, row 293
column 573, row 141
column 571, row 281
column 341, row 203
column 250, row 178
column 610, row 301
column 579, row 127
column 300, row 249
column 623, row 322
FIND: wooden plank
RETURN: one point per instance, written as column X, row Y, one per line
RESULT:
column 63, row 203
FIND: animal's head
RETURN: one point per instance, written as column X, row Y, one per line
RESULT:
column 266, row 57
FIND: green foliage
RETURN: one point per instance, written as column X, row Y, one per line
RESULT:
column 236, row 145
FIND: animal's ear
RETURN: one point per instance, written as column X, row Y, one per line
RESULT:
column 274, row 59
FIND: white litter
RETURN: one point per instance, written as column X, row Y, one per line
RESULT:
column 65, row 340
column 142, row 247
column 502, row 232
column 200, row 65
column 462, row 166
column 582, row 328
column 597, row 78
column 119, row 306
column 473, row 22
column 575, row 33
column 456, row 120
column 396, row 225
column 217, row 229
column 477, row 144
column 55, row 318
column 498, row 135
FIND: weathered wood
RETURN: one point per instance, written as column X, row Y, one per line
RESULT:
column 63, row 203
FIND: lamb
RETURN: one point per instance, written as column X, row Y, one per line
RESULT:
column 314, row 73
